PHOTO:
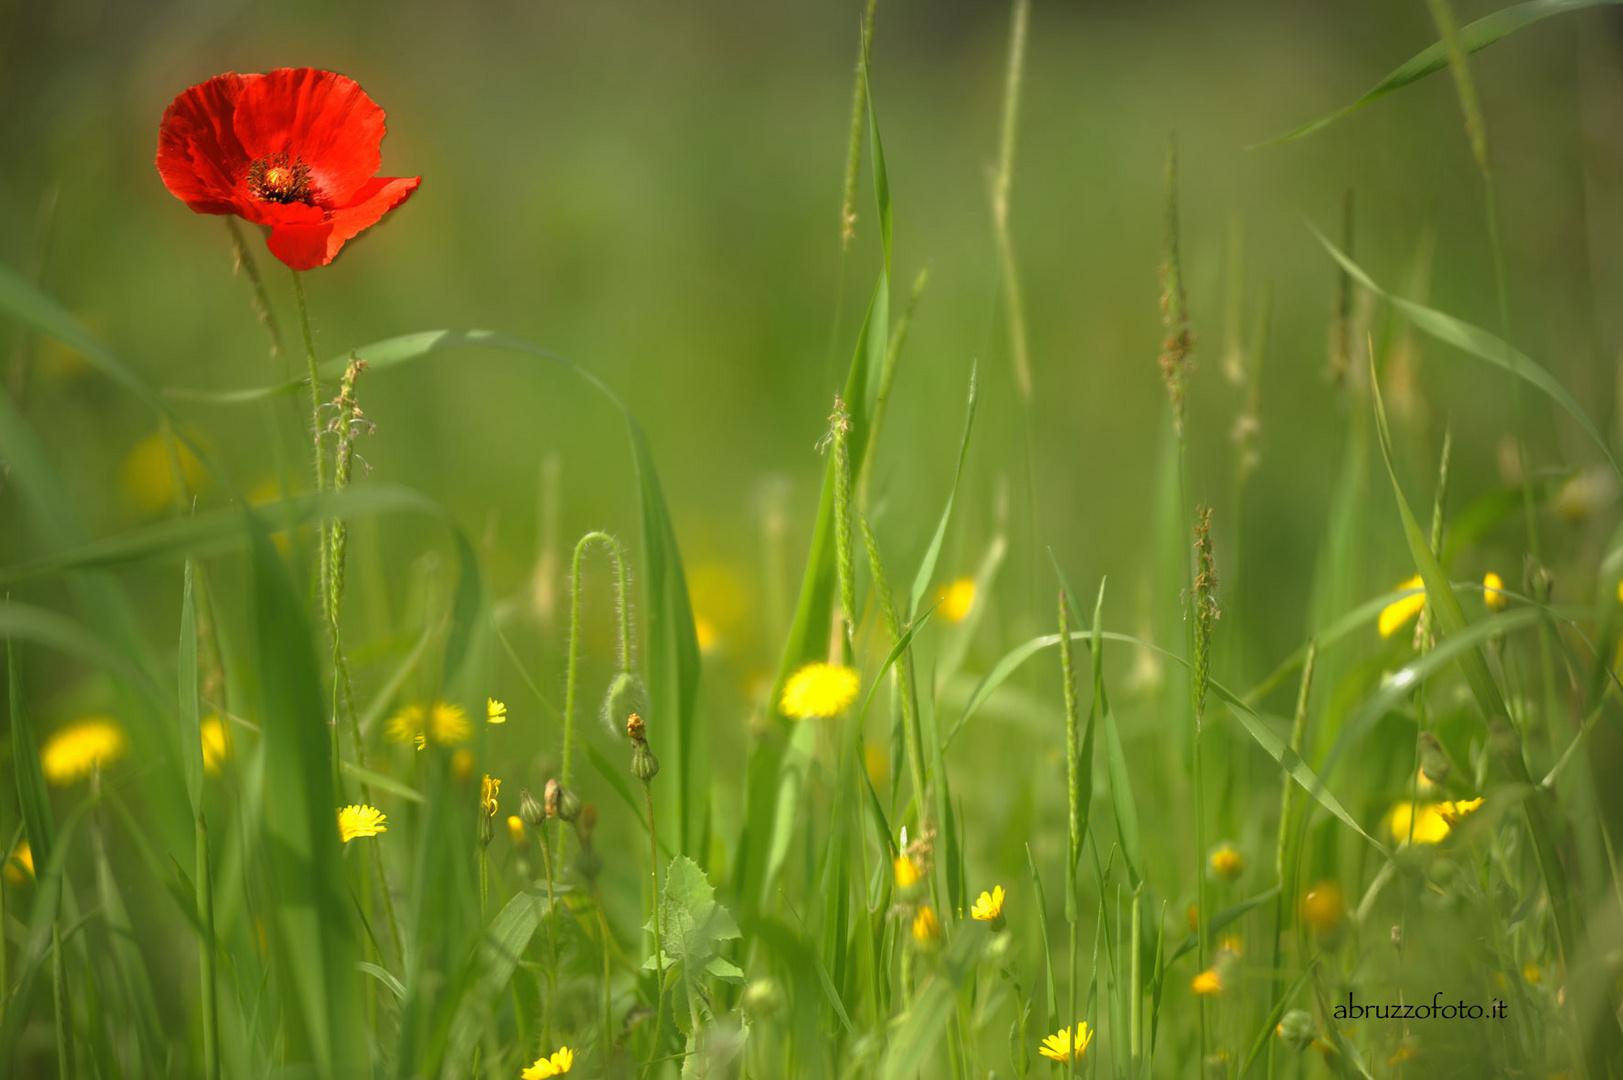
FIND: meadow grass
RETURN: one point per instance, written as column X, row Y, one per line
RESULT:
column 334, row 819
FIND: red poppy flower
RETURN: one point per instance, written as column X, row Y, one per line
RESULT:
column 296, row 149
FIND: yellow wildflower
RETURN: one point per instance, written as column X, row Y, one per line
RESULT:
column 1531, row 973
column 20, row 866
column 440, row 722
column 819, row 690
column 216, row 744
column 1395, row 614
column 515, row 828
column 907, row 872
column 1063, row 1047
column 926, row 927
column 1231, row 945
column 1323, row 906
column 462, row 764
column 356, row 821
column 1227, row 862
column 74, row 752
column 1493, row 592
column 706, row 634
column 1423, row 823
column 957, row 599
column 1453, row 811
column 148, row 473
column 495, row 711
column 989, row 908
column 556, row 1065
column 488, row 790
column 1207, row 983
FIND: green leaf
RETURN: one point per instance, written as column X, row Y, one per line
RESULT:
column 921, row 581
column 936, row 999
column 692, row 924
column 491, row 969
column 1041, row 904
column 1434, row 58
column 32, row 794
column 1479, row 343
column 1121, row 798
column 380, row 782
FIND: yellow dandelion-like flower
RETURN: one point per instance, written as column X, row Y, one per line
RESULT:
column 1422, row 823
column 556, row 1065
column 495, row 711
column 989, row 908
column 906, row 872
column 1227, row 862
column 957, row 599
column 20, row 866
column 515, row 828
column 216, row 744
column 1531, row 973
column 488, row 790
column 705, row 632
column 356, row 821
column 819, row 690
column 1207, row 983
column 1063, row 1047
column 1453, row 811
column 441, row 722
column 73, row 752
column 1323, row 906
column 148, row 473
column 926, row 927
column 1493, row 592
column 462, row 764
column 1231, row 945
column 1395, row 614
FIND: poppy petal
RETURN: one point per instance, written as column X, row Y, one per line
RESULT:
column 322, row 117
column 200, row 157
column 306, row 246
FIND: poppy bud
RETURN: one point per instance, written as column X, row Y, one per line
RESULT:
column 531, row 811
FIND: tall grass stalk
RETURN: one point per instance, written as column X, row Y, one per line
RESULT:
column 902, row 672
column 206, row 954
column 1285, row 875
column 1073, row 791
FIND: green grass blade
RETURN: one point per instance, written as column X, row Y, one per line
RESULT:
column 1479, row 343
column 1434, row 58
column 921, row 1027
column 921, row 581
column 1040, row 902
column 1121, row 799
column 191, row 741
column 32, row 795
column 492, row 967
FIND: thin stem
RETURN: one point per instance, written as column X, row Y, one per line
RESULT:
column 205, row 954
column 552, row 943
column 659, row 953
column 608, row 997
column 245, row 260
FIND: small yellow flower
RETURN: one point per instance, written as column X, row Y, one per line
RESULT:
column 1231, row 945
column 74, row 752
column 488, row 790
column 906, row 871
column 1405, row 1053
column 1531, row 973
column 957, row 599
column 216, row 744
column 356, row 821
column 1063, row 1047
column 989, row 908
column 819, row 690
column 495, row 711
column 705, row 632
column 1207, row 983
column 926, row 927
column 556, row 1065
column 1395, row 614
column 1227, row 862
column 462, row 764
column 440, row 722
column 148, row 473
column 1422, row 823
column 1323, row 906
column 1493, row 592
column 20, row 867
column 515, row 828
column 1453, row 811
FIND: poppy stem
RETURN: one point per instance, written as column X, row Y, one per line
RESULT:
column 315, row 421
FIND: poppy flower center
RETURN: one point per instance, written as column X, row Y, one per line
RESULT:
column 280, row 178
